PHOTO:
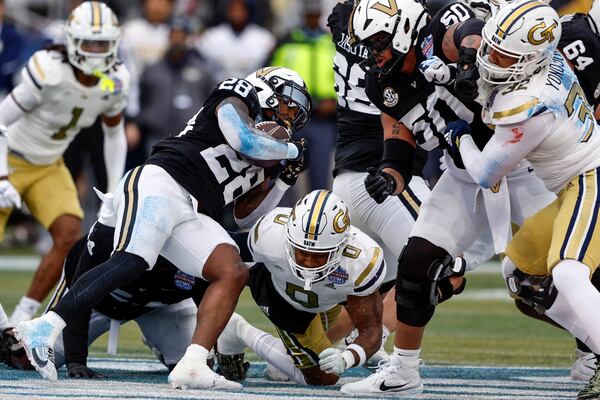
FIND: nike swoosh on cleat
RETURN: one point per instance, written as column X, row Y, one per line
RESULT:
column 384, row 388
column 41, row 363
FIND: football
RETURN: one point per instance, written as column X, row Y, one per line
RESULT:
column 276, row 131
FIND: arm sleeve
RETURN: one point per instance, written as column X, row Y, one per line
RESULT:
column 508, row 146
column 115, row 152
column 21, row 100
column 249, row 141
column 269, row 202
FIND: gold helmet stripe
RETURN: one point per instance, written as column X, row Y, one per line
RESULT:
column 316, row 212
column 96, row 17
column 514, row 16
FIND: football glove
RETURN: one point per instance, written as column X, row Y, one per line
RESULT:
column 454, row 131
column 79, row 371
column 12, row 352
column 467, row 74
column 436, row 71
column 302, row 146
column 332, row 361
column 232, row 367
column 379, row 184
column 292, row 170
column 9, row 197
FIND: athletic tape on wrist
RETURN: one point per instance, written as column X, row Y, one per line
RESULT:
column 360, row 352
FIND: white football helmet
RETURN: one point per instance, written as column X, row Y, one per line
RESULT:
column 594, row 17
column 92, row 35
column 527, row 30
column 318, row 223
column 276, row 86
column 400, row 20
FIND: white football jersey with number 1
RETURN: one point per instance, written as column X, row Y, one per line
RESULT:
column 64, row 106
column 360, row 273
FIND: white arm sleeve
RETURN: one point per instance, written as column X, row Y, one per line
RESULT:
column 3, row 151
column 250, row 141
column 508, row 146
column 18, row 102
column 115, row 151
column 269, row 202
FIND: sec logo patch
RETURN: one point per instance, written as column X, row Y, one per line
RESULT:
column 390, row 97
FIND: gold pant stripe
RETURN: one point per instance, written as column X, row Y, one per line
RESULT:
column 582, row 224
column 130, row 188
column 410, row 202
column 302, row 357
column 58, row 294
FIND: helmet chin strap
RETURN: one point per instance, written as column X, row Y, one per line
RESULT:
column 307, row 283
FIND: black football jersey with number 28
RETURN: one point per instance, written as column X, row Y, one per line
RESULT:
column 200, row 159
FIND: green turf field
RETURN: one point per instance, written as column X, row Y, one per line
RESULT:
column 470, row 329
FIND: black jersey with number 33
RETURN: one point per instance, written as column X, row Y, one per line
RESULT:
column 200, row 159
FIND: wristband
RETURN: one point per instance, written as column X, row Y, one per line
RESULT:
column 360, row 352
column 398, row 155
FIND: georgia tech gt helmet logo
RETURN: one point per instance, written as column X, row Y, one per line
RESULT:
column 539, row 33
column 345, row 222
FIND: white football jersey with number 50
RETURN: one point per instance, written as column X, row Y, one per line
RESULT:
column 360, row 273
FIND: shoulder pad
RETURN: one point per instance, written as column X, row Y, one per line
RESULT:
column 513, row 107
column 45, row 68
column 266, row 230
column 369, row 265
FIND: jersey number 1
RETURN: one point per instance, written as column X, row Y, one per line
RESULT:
column 62, row 132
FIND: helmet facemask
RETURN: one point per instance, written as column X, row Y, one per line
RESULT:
column 375, row 48
column 87, row 54
column 291, row 105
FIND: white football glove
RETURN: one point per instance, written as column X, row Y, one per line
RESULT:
column 333, row 361
column 9, row 197
column 436, row 71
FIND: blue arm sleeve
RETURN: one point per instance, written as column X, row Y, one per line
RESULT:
column 249, row 141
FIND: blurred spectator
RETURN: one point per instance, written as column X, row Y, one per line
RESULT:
column 172, row 90
column 11, row 45
column 310, row 51
column 236, row 47
column 144, row 42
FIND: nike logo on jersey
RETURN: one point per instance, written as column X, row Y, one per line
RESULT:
column 40, row 359
column 384, row 388
column 329, row 285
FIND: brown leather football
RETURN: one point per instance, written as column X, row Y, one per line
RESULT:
column 276, row 131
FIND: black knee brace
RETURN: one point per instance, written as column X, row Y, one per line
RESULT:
column 537, row 291
column 413, row 285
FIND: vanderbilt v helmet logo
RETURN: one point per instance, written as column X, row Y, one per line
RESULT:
column 391, row 10
column 539, row 33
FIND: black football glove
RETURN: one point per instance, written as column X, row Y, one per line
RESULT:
column 232, row 367
column 292, row 170
column 79, row 371
column 379, row 184
column 302, row 146
column 12, row 352
column 467, row 74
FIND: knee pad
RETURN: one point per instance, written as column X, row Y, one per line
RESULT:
column 413, row 285
column 537, row 291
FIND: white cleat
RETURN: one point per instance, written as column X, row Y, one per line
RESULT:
column 275, row 375
column 376, row 360
column 37, row 337
column 189, row 374
column 584, row 366
column 393, row 379
column 231, row 341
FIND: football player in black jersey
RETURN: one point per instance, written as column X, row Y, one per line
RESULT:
column 167, row 206
column 416, row 112
column 358, row 147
